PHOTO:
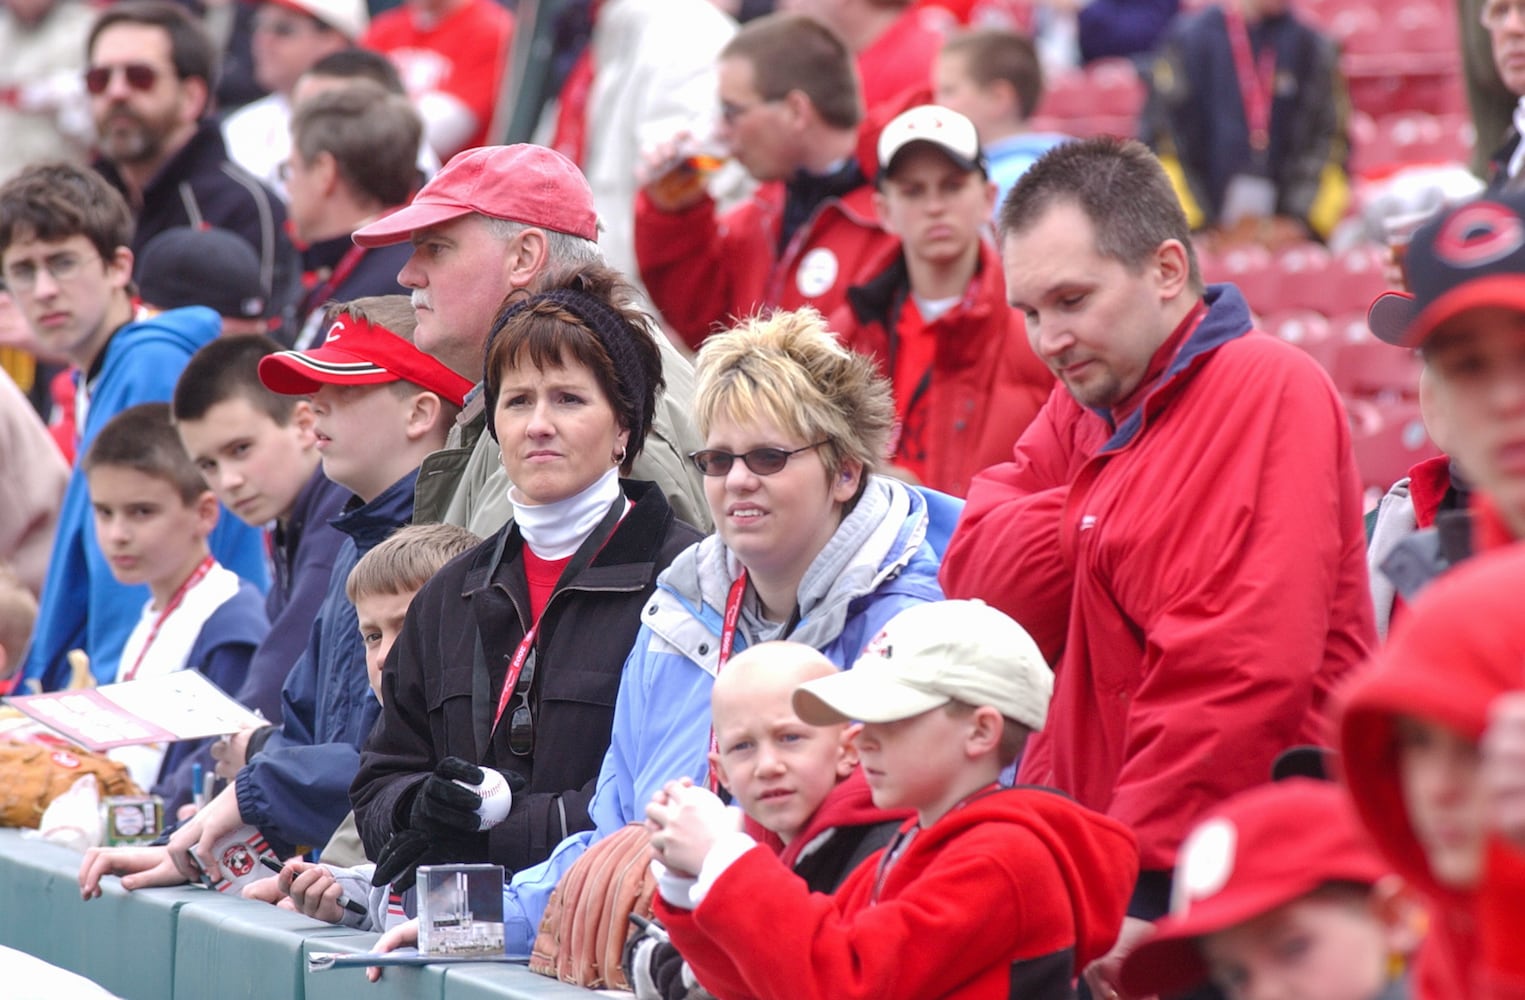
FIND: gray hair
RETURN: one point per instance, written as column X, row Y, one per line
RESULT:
column 566, row 253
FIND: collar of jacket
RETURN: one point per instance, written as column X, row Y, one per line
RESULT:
column 203, row 151
column 880, row 298
column 370, row 523
column 1227, row 319
column 626, row 562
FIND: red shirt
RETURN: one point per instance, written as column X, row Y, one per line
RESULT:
column 541, row 575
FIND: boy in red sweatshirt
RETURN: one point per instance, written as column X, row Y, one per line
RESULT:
column 798, row 786
column 987, row 892
column 1409, row 743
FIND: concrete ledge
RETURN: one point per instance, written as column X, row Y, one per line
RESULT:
column 188, row 943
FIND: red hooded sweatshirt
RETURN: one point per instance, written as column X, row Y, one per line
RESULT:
column 1011, row 892
column 1459, row 646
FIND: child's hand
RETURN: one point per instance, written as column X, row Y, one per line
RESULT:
column 314, row 890
column 402, row 936
column 688, row 822
column 139, row 867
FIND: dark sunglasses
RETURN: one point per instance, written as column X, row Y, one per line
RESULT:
column 521, row 722
column 762, row 461
column 140, row 76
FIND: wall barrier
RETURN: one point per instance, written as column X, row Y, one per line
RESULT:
column 188, row 943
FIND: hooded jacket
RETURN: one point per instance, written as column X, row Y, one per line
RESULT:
column 296, row 788
column 1011, row 894
column 1196, row 572
column 985, row 384
column 82, row 605
column 878, row 562
column 1457, row 648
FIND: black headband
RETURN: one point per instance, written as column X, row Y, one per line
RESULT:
column 613, row 331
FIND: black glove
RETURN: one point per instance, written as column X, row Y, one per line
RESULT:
column 446, row 809
column 397, row 864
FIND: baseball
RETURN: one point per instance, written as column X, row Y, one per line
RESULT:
column 497, row 797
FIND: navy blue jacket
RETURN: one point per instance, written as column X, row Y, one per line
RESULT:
column 374, row 273
column 296, row 789
column 1122, row 27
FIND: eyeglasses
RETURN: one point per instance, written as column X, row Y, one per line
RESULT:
column 140, row 76
column 277, row 29
column 762, row 461
column 1495, row 15
column 22, row 275
column 521, row 723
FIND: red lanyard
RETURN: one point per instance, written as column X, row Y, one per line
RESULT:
column 169, row 608
column 515, row 668
column 1256, row 81
column 582, row 558
column 321, row 292
column 727, row 643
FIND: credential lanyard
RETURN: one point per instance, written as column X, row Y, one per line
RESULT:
column 727, row 644
column 1257, row 81
column 586, row 553
column 170, row 608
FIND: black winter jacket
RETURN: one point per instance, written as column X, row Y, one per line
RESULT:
column 438, row 703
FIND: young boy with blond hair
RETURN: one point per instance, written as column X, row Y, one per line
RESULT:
column 798, row 786
column 987, row 892
column 153, row 516
column 1279, row 893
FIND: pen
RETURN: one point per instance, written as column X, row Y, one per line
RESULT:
column 198, row 790
column 277, row 866
column 651, row 927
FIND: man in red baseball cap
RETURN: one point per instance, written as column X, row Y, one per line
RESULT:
column 493, row 221
column 1279, row 863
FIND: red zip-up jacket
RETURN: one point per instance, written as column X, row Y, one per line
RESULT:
column 1196, row 574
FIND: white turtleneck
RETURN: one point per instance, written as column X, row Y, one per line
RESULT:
column 555, row 530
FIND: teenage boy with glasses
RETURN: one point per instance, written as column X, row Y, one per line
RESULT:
column 64, row 256
column 148, row 78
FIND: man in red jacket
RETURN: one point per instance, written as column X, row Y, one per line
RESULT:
column 1180, row 529
column 933, row 311
column 789, row 110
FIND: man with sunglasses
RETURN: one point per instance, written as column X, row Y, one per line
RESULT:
column 150, row 63
column 789, row 113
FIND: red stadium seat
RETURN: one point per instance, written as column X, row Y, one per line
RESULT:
column 1388, row 438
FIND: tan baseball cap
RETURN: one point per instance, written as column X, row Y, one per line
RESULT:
column 929, row 655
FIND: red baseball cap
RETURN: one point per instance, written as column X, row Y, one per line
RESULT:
column 525, row 183
column 1259, row 850
column 356, row 352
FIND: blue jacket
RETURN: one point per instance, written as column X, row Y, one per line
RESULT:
column 302, row 551
column 296, row 788
column 222, row 652
column 82, row 606
column 662, row 714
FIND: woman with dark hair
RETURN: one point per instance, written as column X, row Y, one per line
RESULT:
column 505, row 673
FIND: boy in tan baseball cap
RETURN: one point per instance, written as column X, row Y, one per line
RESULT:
column 987, row 892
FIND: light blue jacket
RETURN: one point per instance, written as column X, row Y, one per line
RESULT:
column 662, row 713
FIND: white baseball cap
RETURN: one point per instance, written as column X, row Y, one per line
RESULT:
column 929, row 655
column 349, row 18
column 944, row 128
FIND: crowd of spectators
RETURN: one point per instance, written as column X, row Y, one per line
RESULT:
column 814, row 461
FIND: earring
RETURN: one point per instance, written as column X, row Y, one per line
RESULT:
column 619, row 456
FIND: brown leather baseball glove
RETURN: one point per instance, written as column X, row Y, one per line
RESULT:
column 587, row 919
column 34, row 774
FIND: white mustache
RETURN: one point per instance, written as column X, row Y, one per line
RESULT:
column 420, row 299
